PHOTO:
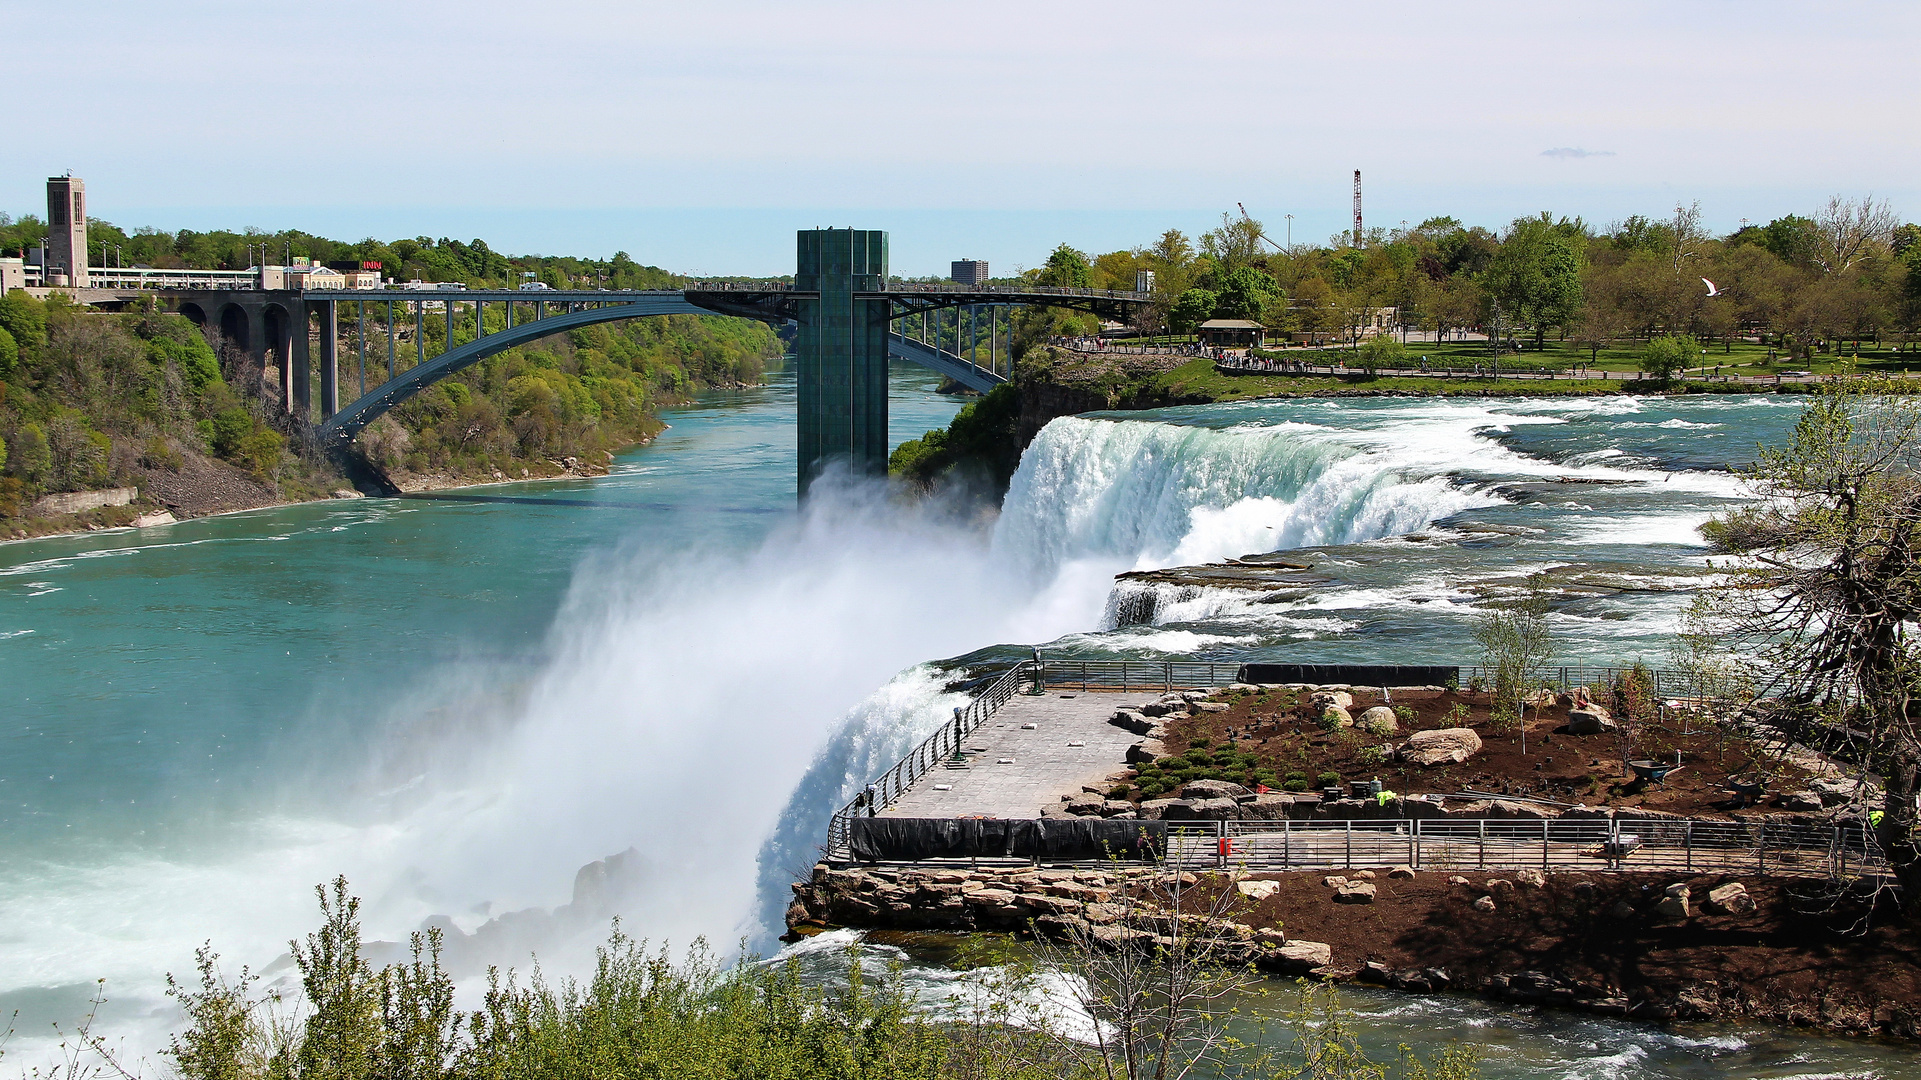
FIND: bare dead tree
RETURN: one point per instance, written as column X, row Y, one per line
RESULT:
column 1847, row 231
column 1823, row 591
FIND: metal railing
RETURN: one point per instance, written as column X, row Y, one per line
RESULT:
column 1665, row 682
column 1670, row 845
column 1160, row 675
column 939, row 747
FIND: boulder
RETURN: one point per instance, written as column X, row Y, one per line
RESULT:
column 1442, row 746
column 1589, row 721
column 1533, row 879
column 1379, row 720
column 1337, row 716
column 1363, row 875
column 1839, row 790
column 1622, row 910
column 1132, row 721
column 1156, row 810
column 1333, row 882
column 1270, row 806
column 1257, row 890
column 1730, row 899
column 1457, row 880
column 1339, row 699
column 1209, row 706
column 1212, row 789
column 1084, row 804
column 1116, row 807
column 1162, row 708
column 1355, row 892
column 1674, row 905
column 1401, row 873
column 1802, row 801
column 1145, row 751
column 1298, row 957
column 1485, row 903
column 1215, row 809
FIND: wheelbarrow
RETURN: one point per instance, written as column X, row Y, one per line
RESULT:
column 1747, row 788
column 1656, row 771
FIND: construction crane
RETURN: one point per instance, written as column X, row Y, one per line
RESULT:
column 1258, row 231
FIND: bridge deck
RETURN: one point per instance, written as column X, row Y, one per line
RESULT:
column 1044, row 762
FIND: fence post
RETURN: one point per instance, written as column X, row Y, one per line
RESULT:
column 1414, row 843
column 1687, row 839
column 1841, row 842
column 1761, row 852
column 1350, row 843
column 1287, row 843
column 1544, row 845
column 1484, row 843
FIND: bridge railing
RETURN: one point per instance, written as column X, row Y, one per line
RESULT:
column 1011, row 290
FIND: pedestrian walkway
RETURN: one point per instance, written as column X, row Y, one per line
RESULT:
column 1033, row 751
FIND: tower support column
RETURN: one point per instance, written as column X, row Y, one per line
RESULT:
column 840, row 352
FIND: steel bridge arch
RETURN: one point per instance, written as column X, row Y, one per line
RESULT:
column 342, row 426
column 348, row 422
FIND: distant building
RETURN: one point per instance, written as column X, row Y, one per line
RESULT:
column 362, row 279
column 969, row 272
column 13, row 274
column 1232, row 333
column 66, row 262
column 1144, row 281
column 305, row 275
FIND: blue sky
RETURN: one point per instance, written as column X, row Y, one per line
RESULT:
column 698, row 137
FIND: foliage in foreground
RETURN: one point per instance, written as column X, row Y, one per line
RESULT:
column 1160, row 1001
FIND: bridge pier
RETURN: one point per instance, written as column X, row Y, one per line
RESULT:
column 840, row 351
column 329, row 358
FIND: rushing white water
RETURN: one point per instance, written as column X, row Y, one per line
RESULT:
column 708, row 708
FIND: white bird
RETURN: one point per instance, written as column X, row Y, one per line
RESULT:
column 1712, row 291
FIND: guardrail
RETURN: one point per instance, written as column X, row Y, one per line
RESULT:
column 1671, row 845
column 936, row 748
column 1160, row 675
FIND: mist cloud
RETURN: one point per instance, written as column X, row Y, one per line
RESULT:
column 1575, row 152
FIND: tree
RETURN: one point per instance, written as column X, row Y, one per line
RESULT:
column 1791, row 239
column 31, row 458
column 1825, row 587
column 1067, row 269
column 1536, row 277
column 24, row 318
column 1666, row 357
column 1846, row 232
column 1514, row 640
column 1194, row 307
column 1244, row 293
column 1380, row 351
column 9, row 353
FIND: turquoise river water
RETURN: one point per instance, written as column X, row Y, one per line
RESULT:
column 461, row 702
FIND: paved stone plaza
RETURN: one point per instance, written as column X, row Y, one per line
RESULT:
column 1043, row 762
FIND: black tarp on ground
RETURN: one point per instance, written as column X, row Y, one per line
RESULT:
column 1353, row 674
column 888, row 839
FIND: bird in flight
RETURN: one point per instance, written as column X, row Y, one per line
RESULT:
column 1712, row 290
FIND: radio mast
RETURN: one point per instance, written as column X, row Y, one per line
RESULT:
column 1357, row 208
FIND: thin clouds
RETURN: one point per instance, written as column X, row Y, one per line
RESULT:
column 1566, row 152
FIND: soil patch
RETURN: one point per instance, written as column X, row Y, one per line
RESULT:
column 1282, row 735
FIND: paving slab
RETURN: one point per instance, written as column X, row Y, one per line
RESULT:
column 1021, row 770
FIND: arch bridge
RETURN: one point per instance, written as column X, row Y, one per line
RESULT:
column 849, row 320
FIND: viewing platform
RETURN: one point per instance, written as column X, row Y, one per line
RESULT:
column 1020, row 763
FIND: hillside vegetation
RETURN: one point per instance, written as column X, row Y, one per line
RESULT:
column 92, row 400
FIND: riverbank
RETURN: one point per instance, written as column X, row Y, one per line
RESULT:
column 1776, row 951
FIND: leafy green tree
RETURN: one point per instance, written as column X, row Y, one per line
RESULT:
column 24, row 318
column 1245, row 292
column 1194, row 307
column 31, row 456
column 231, row 426
column 1792, row 239
column 1067, row 268
column 1536, row 277
column 341, row 1037
column 1666, row 357
column 1382, row 350
column 9, row 353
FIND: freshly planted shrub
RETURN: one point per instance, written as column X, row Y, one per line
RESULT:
column 1328, row 779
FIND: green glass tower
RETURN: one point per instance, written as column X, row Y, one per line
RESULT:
column 841, row 351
